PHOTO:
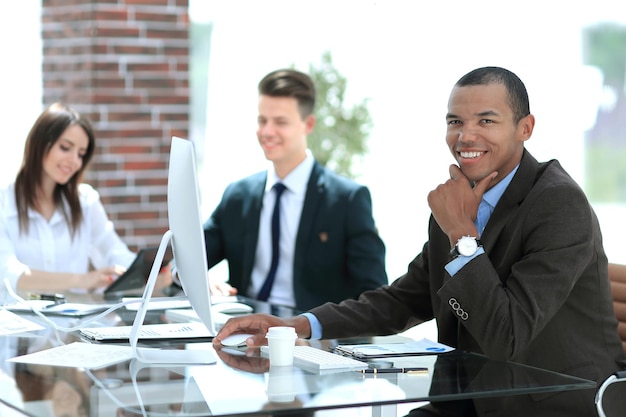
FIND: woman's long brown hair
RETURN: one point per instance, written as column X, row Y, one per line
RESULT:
column 42, row 136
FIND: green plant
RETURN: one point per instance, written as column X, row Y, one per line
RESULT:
column 341, row 133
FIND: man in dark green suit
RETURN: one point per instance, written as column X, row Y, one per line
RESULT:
column 329, row 246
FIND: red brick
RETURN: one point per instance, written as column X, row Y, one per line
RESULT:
column 157, row 17
column 116, row 99
column 113, row 67
column 133, row 50
column 109, row 83
column 167, row 34
column 116, row 15
column 83, row 48
column 139, row 165
column 137, row 215
column 126, row 32
column 148, row 2
column 160, row 67
column 135, row 117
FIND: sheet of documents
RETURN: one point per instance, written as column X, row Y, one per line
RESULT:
column 413, row 347
column 164, row 303
column 63, row 309
column 11, row 323
column 79, row 355
column 161, row 303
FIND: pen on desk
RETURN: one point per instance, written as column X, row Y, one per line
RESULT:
column 57, row 298
column 394, row 371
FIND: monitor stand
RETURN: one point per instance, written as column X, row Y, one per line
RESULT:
column 191, row 397
column 155, row 355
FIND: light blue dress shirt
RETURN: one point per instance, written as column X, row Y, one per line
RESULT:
column 486, row 207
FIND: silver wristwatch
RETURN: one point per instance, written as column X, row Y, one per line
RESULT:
column 465, row 246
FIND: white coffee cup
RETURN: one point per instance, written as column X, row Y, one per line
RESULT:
column 281, row 342
column 280, row 384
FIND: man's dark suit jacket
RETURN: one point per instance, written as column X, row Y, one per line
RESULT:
column 338, row 253
column 540, row 295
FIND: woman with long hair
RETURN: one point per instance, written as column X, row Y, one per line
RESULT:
column 54, row 232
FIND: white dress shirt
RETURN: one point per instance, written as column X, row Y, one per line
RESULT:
column 49, row 246
column 291, row 203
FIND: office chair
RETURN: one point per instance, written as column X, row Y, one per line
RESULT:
column 610, row 399
column 617, row 276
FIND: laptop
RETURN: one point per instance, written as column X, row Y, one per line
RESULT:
column 149, row 332
column 136, row 275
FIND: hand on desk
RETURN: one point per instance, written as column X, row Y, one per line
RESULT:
column 251, row 360
column 257, row 325
column 221, row 288
column 39, row 280
column 164, row 279
column 92, row 281
column 98, row 278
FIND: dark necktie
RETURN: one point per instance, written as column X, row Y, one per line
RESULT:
column 269, row 281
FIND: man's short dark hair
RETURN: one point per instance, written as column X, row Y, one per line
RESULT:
column 516, row 90
column 290, row 83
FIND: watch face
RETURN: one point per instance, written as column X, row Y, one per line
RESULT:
column 467, row 245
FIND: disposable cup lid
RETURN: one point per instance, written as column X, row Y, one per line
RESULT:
column 281, row 331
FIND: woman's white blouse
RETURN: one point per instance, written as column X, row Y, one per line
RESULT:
column 49, row 246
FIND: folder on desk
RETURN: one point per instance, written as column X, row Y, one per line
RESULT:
column 50, row 308
column 382, row 350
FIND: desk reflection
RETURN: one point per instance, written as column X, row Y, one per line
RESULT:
column 244, row 383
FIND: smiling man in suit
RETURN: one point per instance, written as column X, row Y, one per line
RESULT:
column 323, row 244
column 514, row 268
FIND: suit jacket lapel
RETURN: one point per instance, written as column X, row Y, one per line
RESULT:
column 252, row 226
column 315, row 190
column 514, row 195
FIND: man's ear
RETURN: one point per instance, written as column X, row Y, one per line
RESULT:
column 310, row 123
column 525, row 127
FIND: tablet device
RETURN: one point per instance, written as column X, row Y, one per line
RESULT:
column 137, row 273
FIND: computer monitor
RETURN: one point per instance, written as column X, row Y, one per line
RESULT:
column 186, row 236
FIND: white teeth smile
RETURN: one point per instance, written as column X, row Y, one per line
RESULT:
column 470, row 155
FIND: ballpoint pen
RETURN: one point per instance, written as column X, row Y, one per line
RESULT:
column 394, row 371
column 57, row 298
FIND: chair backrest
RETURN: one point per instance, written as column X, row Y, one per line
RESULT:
column 610, row 396
column 617, row 275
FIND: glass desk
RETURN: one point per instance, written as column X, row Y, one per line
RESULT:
column 246, row 385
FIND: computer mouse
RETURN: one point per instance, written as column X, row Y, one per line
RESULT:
column 236, row 340
column 233, row 351
column 232, row 308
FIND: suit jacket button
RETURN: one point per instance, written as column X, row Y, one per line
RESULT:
column 456, row 306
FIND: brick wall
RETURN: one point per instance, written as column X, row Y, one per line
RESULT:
column 125, row 65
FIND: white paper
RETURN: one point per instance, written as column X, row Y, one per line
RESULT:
column 11, row 323
column 63, row 309
column 79, row 355
column 29, row 305
column 76, row 309
column 156, row 303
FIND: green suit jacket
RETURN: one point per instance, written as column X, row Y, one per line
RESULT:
column 338, row 253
